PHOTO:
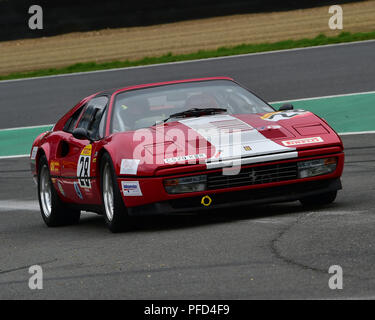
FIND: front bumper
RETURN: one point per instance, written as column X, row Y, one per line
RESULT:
column 284, row 193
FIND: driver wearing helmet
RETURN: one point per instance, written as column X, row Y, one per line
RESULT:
column 129, row 112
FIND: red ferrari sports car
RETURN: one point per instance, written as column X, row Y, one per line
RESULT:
column 181, row 146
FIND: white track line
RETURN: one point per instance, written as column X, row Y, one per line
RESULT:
column 14, row 157
column 10, row 205
column 325, row 97
column 356, row 133
column 191, row 61
column 27, row 127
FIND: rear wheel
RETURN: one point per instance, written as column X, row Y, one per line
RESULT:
column 116, row 215
column 54, row 212
column 320, row 199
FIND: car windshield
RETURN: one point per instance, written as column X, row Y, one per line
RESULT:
column 147, row 107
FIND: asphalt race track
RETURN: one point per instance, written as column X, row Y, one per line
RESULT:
column 278, row 76
column 272, row 251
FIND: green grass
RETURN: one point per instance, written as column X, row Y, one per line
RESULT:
column 201, row 54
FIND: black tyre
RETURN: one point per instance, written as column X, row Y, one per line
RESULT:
column 320, row 199
column 54, row 212
column 115, row 212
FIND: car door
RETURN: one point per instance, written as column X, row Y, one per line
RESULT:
column 78, row 166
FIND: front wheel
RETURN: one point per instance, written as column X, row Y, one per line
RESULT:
column 116, row 215
column 54, row 212
column 320, row 199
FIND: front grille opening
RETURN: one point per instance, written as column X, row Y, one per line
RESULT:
column 291, row 191
column 253, row 176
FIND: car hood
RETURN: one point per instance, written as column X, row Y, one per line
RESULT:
column 216, row 140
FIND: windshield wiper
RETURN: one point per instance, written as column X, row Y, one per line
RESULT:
column 194, row 112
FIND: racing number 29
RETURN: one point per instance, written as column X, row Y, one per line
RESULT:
column 84, row 169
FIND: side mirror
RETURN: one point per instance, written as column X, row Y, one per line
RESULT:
column 81, row 134
column 286, row 107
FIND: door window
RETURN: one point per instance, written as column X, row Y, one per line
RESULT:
column 72, row 121
column 93, row 118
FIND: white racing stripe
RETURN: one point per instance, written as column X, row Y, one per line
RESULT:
column 236, row 141
column 251, row 160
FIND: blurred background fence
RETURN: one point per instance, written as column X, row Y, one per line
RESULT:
column 82, row 15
